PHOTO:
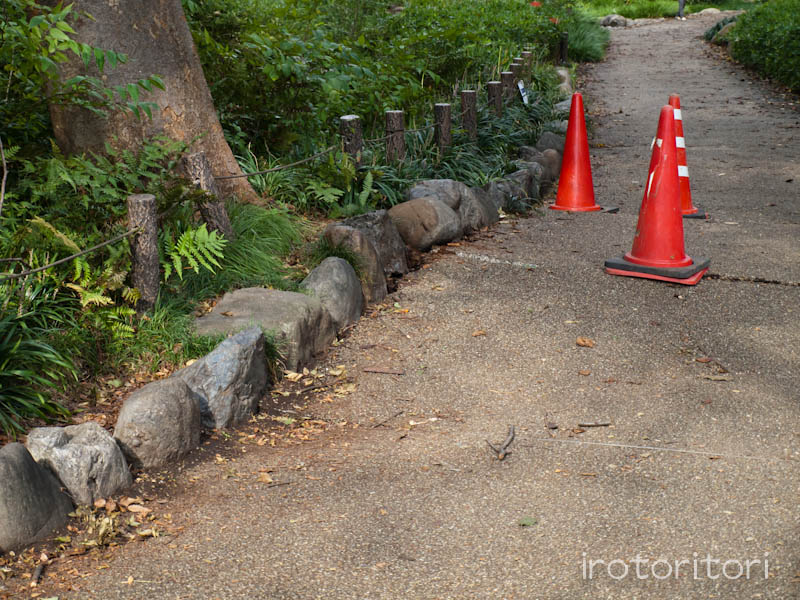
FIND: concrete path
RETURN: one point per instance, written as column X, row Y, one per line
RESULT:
column 398, row 495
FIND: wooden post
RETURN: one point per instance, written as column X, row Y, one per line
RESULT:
column 352, row 137
column 516, row 69
column 527, row 58
column 441, row 115
column 507, row 77
column 494, row 89
column 563, row 47
column 212, row 210
column 469, row 113
column 395, row 135
column 142, row 213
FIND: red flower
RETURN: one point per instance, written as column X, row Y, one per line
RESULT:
column 554, row 20
column 536, row 3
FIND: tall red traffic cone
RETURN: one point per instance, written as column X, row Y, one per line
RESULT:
column 575, row 188
column 688, row 210
column 658, row 250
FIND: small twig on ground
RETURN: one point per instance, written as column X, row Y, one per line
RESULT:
column 595, row 424
column 272, row 485
column 384, row 371
column 503, row 450
column 385, row 421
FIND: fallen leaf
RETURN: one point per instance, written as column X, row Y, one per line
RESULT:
column 138, row 509
column 337, row 371
column 226, row 313
column 264, row 478
column 584, row 373
column 589, row 474
column 478, row 333
column 527, row 522
column 703, row 359
column 585, row 342
column 578, row 430
column 292, row 376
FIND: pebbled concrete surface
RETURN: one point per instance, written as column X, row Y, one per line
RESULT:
column 401, row 497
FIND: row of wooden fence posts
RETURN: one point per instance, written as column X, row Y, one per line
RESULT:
column 498, row 93
column 143, row 212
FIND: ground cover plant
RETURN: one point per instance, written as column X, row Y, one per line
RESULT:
column 767, row 38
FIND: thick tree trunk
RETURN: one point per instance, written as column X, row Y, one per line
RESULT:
column 156, row 37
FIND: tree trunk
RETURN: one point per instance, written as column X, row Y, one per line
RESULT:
column 156, row 37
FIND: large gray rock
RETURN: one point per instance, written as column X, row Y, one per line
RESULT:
column 448, row 191
column 525, row 180
column 382, row 232
column 84, row 457
column 301, row 324
column 566, row 81
column 423, row 222
column 614, row 21
column 159, row 423
column 336, row 285
column 495, row 195
column 550, row 141
column 31, row 502
column 475, row 210
column 529, row 153
column 373, row 280
column 231, row 380
column 551, row 164
column 558, row 126
column 563, row 107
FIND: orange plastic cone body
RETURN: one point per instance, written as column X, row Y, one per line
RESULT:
column 687, row 208
column 659, row 234
column 575, row 188
column 658, row 249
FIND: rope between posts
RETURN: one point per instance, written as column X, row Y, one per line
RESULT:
column 280, row 167
column 69, row 258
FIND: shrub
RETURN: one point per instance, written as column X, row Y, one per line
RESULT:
column 767, row 39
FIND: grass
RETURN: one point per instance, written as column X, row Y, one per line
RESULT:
column 651, row 9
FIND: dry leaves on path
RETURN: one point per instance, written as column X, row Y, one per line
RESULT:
column 585, row 342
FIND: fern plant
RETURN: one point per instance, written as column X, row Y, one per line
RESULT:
column 196, row 247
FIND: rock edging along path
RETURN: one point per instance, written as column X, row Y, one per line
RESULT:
column 161, row 423
column 401, row 497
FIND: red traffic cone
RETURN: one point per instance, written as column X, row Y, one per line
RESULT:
column 688, row 210
column 575, row 188
column 658, row 251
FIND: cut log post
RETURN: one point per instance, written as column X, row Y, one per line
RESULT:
column 527, row 58
column 212, row 210
column 395, row 135
column 469, row 113
column 494, row 90
column 441, row 115
column 352, row 136
column 145, row 276
column 563, row 48
column 516, row 69
column 507, row 78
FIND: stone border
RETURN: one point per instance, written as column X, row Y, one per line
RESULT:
column 162, row 421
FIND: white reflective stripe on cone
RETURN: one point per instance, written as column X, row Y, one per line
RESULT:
column 650, row 182
column 683, row 171
column 678, row 114
column 680, row 142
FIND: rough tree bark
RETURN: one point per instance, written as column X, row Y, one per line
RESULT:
column 156, row 37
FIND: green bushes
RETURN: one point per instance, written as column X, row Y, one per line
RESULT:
column 282, row 72
column 767, row 39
